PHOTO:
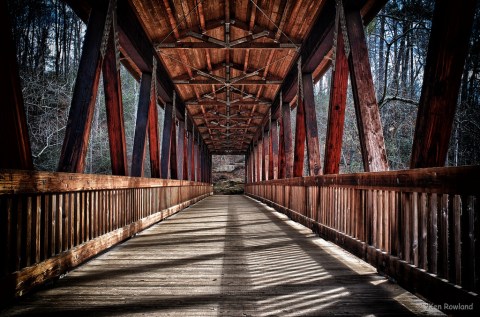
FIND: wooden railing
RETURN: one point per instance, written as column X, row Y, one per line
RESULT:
column 420, row 227
column 52, row 222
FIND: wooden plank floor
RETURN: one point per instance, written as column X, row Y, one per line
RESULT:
column 224, row 256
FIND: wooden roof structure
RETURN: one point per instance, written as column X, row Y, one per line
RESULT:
column 419, row 227
column 227, row 60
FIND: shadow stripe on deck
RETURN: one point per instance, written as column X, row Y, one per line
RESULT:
column 224, row 256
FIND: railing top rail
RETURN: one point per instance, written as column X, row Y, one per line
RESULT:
column 26, row 182
column 461, row 180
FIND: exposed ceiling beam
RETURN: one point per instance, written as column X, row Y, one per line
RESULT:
column 239, row 82
column 209, row 45
column 223, row 102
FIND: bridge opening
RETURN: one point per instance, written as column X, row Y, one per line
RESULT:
column 228, row 174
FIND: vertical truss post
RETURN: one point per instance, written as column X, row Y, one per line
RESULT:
column 166, row 140
column 113, row 102
column 336, row 109
column 190, row 159
column 182, row 166
column 153, row 136
column 274, row 141
column 138, row 153
column 261, row 161
column 300, row 137
column 77, row 132
column 197, row 158
column 447, row 50
column 313, row 146
column 368, row 116
column 173, row 148
column 266, row 156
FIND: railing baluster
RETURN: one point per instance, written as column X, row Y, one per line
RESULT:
column 442, row 264
column 414, row 229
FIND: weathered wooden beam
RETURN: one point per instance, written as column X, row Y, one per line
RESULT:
column 14, row 140
column 266, row 156
column 368, row 116
column 287, row 139
column 210, row 45
column 173, row 151
column 258, row 166
column 77, row 132
column 281, row 151
column 447, row 50
column 197, row 160
column 113, row 102
column 191, row 159
column 246, row 82
column 181, row 149
column 336, row 110
column 270, row 161
column 252, row 164
column 185, row 152
column 140, row 138
column 219, row 102
column 313, row 146
column 300, row 137
column 274, row 140
column 153, row 138
column 166, row 140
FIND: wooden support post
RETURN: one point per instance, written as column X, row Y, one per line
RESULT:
column 258, row 166
column 113, row 102
column 252, row 164
column 166, row 140
column 199, row 165
column 275, row 149
column 281, row 151
column 300, row 137
column 336, row 110
column 210, row 168
column 287, row 138
column 447, row 50
column 14, row 140
column 247, row 167
column 205, row 164
column 260, row 159
column 272, row 164
column 185, row 153
column 252, row 158
column 181, row 150
column 368, row 116
column 200, row 162
column 313, row 146
column 265, row 156
column 77, row 132
column 138, row 153
column 173, row 150
column 190, row 158
column 197, row 159
column 153, row 137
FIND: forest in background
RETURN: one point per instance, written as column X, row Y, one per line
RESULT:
column 49, row 36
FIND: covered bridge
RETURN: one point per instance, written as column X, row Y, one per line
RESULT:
column 227, row 74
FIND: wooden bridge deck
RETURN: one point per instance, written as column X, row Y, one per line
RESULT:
column 224, row 256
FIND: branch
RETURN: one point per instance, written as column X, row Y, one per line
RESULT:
column 48, row 142
column 389, row 99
